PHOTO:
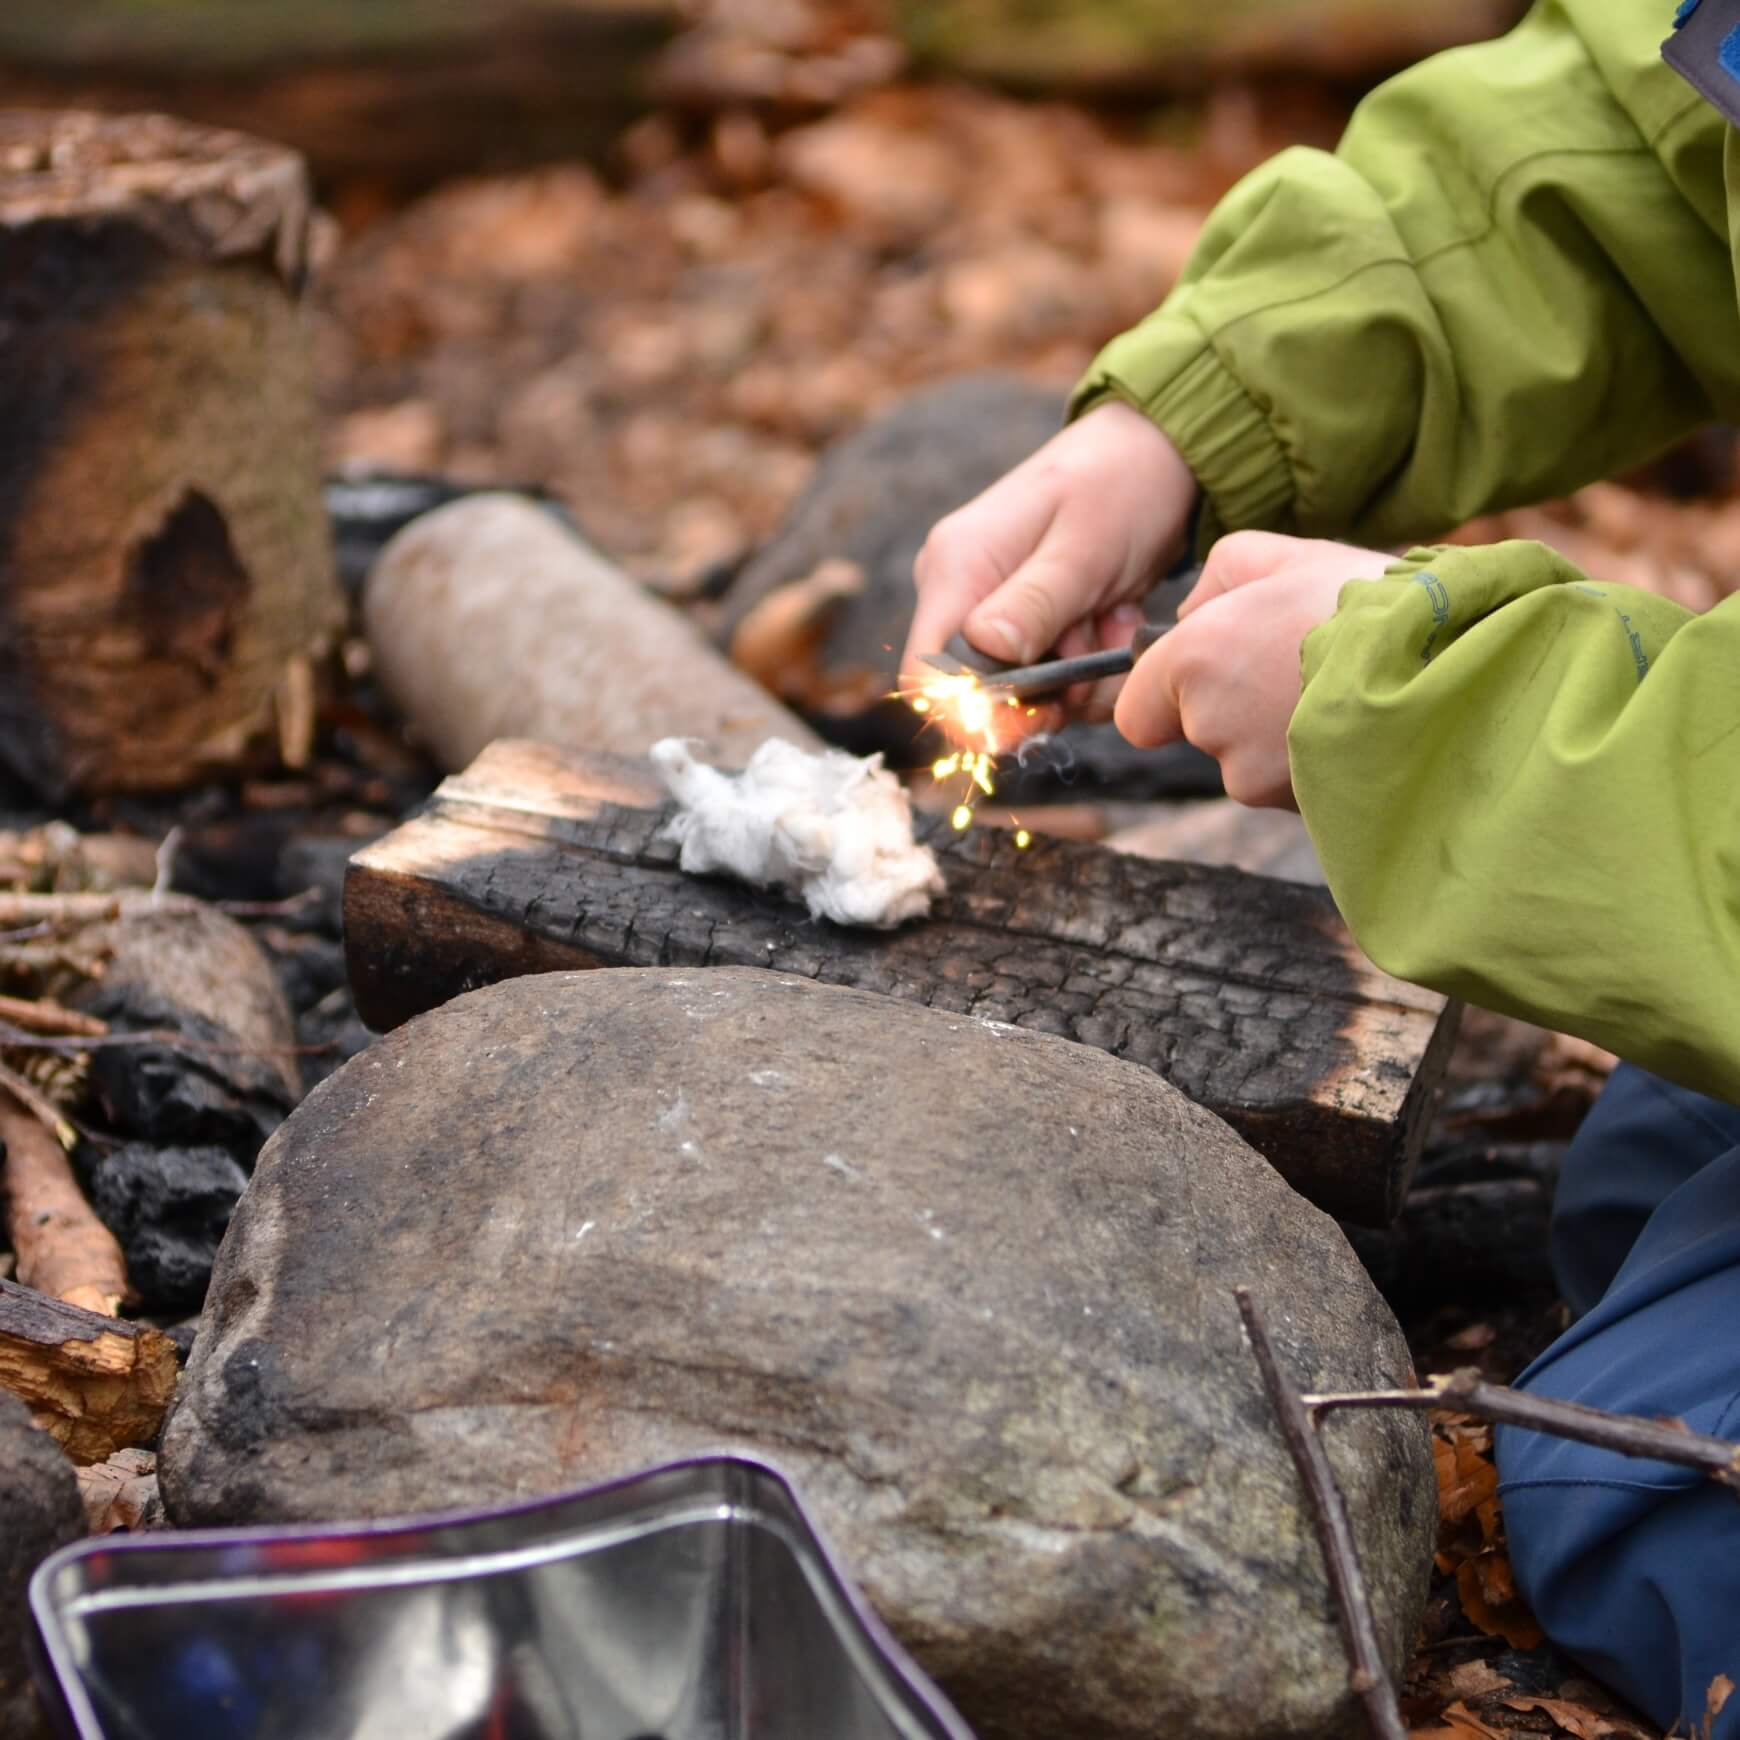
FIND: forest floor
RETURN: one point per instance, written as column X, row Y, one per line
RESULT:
column 799, row 234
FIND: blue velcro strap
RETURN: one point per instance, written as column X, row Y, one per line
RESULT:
column 1729, row 53
column 1687, row 8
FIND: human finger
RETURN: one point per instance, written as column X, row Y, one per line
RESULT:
column 1149, row 711
column 1238, row 560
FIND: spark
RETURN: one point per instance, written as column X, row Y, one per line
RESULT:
column 976, row 719
column 1023, row 839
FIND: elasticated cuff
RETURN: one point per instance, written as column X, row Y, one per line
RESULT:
column 1168, row 372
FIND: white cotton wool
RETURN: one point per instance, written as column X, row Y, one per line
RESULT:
column 833, row 829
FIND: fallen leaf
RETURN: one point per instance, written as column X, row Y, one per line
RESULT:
column 1475, row 1679
column 1574, row 1719
column 1459, row 1719
column 1509, row 1620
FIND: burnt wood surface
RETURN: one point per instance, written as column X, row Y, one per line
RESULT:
column 95, row 1384
column 1246, row 993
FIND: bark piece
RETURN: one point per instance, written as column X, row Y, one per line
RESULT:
column 397, row 91
column 95, row 1384
column 63, row 1249
column 188, row 970
column 161, row 533
column 39, row 1513
column 1246, row 993
column 487, row 619
column 121, row 1494
column 969, row 1285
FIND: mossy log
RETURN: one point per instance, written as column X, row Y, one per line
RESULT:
column 398, row 91
column 165, row 563
column 1137, row 47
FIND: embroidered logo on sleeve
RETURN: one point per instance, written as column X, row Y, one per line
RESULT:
column 1705, row 51
column 1439, row 594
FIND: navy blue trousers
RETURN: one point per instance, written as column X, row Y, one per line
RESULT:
column 1634, row 1567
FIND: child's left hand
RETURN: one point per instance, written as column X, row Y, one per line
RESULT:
column 1227, row 678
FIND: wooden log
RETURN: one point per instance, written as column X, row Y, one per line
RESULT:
column 400, row 92
column 488, row 619
column 95, row 1384
column 1247, row 994
column 167, row 566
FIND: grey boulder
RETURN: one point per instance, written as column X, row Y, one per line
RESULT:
column 969, row 1286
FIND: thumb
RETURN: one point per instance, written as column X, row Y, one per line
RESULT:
column 1238, row 560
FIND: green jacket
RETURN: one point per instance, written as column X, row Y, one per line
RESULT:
column 1514, row 277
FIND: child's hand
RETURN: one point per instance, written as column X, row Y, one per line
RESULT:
column 1227, row 678
column 1058, row 553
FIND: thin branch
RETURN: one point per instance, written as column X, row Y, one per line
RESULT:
column 40, row 1107
column 288, row 907
column 1370, row 1679
column 1628, row 1434
column 17, row 1039
column 44, row 1017
column 31, row 909
column 166, row 854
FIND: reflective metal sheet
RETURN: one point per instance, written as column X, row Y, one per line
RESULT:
column 695, row 1602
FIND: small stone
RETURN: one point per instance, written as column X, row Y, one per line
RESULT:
column 40, row 1511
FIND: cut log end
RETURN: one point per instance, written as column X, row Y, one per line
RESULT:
column 161, row 526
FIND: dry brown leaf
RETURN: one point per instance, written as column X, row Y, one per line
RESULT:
column 1507, row 1619
column 1459, row 1719
column 1476, row 1679
column 1577, row 1719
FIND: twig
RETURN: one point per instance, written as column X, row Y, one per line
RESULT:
column 166, row 863
column 1628, row 1434
column 31, row 909
column 167, row 1038
column 50, row 1018
column 42, row 1109
column 63, row 1249
column 1370, row 1679
column 288, row 907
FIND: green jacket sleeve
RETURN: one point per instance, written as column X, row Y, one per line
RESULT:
column 1512, row 278
column 1525, row 791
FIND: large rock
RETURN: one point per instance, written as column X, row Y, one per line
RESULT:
column 821, row 612
column 969, row 1285
column 39, row 1512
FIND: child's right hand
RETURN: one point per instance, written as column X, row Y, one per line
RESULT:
column 1059, row 553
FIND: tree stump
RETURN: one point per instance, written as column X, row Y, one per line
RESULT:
column 166, row 560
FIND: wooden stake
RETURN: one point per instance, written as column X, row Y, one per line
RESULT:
column 1371, row 1677
column 63, row 1249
